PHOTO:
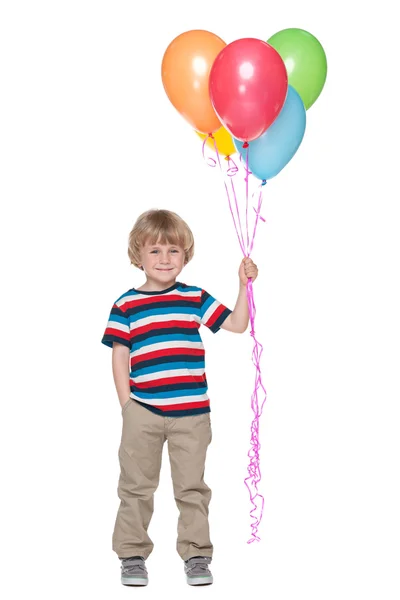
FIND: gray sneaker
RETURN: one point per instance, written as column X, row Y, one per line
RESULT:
column 133, row 571
column 197, row 571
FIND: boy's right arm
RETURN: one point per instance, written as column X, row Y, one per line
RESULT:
column 120, row 367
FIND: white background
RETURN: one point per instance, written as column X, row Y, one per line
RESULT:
column 88, row 141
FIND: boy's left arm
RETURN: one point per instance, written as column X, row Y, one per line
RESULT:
column 238, row 320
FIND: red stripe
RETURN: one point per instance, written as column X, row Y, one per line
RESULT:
column 117, row 333
column 150, row 300
column 215, row 315
column 182, row 406
column 168, row 381
column 166, row 352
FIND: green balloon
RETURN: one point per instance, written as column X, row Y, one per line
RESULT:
column 305, row 62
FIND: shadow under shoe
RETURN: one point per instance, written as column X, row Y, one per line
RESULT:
column 133, row 571
column 197, row 571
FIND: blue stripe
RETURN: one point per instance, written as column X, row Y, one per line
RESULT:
column 176, row 337
column 118, row 319
column 125, row 295
column 183, row 289
column 166, row 367
column 189, row 288
column 207, row 304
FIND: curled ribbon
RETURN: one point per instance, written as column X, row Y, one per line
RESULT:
column 253, row 469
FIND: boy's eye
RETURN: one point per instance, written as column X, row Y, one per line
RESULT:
column 152, row 252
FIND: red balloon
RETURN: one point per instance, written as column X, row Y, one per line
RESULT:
column 248, row 87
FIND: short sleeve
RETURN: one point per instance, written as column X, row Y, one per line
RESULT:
column 117, row 329
column 212, row 312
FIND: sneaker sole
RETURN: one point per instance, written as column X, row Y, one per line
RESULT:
column 199, row 580
column 134, row 581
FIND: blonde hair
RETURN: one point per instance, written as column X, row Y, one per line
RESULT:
column 163, row 226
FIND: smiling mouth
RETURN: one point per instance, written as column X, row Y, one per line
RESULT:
column 163, row 269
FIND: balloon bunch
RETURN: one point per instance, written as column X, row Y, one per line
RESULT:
column 249, row 96
column 248, row 91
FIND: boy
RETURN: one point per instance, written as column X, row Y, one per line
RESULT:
column 158, row 368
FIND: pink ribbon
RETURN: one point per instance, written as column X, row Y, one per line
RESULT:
column 253, row 469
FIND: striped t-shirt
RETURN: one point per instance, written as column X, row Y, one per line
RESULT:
column 167, row 358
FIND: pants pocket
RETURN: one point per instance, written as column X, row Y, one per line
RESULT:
column 125, row 406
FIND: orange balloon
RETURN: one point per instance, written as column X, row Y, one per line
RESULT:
column 185, row 73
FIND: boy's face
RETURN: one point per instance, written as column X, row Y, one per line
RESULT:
column 162, row 262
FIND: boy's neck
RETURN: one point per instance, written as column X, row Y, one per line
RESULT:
column 156, row 286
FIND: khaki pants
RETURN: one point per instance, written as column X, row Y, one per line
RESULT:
column 143, row 437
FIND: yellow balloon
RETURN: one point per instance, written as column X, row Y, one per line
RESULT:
column 223, row 140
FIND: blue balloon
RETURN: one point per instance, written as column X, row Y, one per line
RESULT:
column 272, row 151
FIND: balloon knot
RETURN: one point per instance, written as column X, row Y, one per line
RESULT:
column 210, row 135
column 264, row 181
column 245, row 145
